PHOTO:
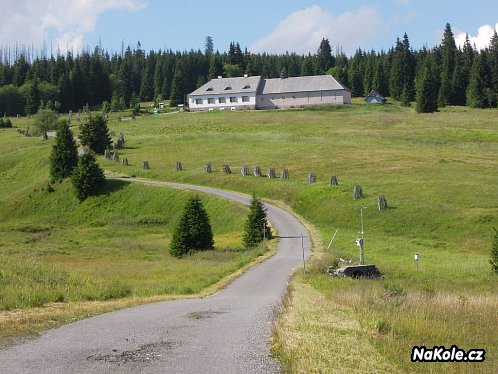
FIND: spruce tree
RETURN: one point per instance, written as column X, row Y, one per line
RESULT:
column 476, row 93
column 307, row 66
column 177, row 89
column 427, row 87
column 88, row 178
column 33, row 98
column 494, row 252
column 64, row 155
column 493, row 61
column 324, row 58
column 448, row 56
column 94, row 134
column 193, row 232
column 256, row 227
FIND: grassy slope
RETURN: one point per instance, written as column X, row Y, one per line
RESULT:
column 436, row 171
column 114, row 245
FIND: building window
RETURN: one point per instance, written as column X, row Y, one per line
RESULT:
column 210, row 100
column 245, row 99
column 198, row 101
column 222, row 100
column 283, row 97
column 228, row 88
column 262, row 99
column 246, row 87
column 233, row 99
column 209, row 89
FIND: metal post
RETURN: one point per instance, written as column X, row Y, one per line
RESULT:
column 331, row 240
column 264, row 230
column 362, row 248
column 304, row 262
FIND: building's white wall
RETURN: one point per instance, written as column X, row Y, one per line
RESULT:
column 251, row 104
column 298, row 99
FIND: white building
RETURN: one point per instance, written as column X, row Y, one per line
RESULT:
column 256, row 93
column 225, row 93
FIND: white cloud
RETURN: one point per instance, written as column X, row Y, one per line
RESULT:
column 303, row 30
column 481, row 40
column 30, row 22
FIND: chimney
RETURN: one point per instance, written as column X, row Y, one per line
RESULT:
column 219, row 77
column 245, row 75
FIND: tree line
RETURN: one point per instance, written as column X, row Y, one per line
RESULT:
column 435, row 77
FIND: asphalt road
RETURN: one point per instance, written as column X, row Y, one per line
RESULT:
column 228, row 332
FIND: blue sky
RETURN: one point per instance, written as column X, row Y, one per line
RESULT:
column 261, row 26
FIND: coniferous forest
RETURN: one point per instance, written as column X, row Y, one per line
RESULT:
column 427, row 78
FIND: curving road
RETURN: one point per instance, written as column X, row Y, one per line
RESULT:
column 228, row 332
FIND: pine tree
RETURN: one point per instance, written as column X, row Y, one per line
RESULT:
column 64, row 155
column 88, row 178
column 381, row 76
column 494, row 252
column 427, row 87
column 460, row 80
column 493, row 62
column 448, row 56
column 402, row 74
column 356, row 69
column 33, row 99
column 94, row 134
column 209, row 46
column 193, row 232
column 215, row 67
column 307, row 66
column 256, row 227
column 177, row 89
column 476, row 93
column 324, row 59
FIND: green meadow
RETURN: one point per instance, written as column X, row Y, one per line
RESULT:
column 437, row 172
column 56, row 251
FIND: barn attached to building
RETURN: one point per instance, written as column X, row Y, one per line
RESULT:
column 301, row 91
column 256, row 93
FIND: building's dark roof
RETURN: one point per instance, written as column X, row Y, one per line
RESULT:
column 221, row 86
column 299, row 84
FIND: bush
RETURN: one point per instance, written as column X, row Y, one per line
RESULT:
column 88, row 178
column 94, row 134
column 193, row 232
column 5, row 123
column 45, row 120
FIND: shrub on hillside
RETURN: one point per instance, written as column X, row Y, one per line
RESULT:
column 193, row 232
column 88, row 178
column 64, row 155
column 5, row 123
column 94, row 134
column 45, row 120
